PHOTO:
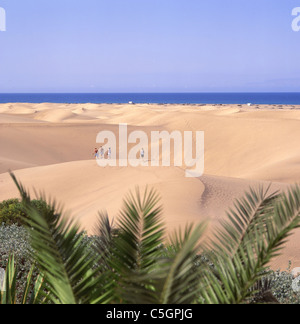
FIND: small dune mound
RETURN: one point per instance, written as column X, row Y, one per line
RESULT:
column 227, row 111
column 54, row 116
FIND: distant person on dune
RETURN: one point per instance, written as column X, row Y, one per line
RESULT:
column 142, row 154
column 109, row 153
column 102, row 153
column 96, row 153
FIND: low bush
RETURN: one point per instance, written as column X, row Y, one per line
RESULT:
column 12, row 211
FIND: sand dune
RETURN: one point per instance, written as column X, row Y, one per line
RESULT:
column 240, row 143
column 184, row 200
column 51, row 146
column 95, row 189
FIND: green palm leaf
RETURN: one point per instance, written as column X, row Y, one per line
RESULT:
column 141, row 231
column 254, row 234
column 182, row 280
column 106, row 235
column 136, row 248
column 61, row 255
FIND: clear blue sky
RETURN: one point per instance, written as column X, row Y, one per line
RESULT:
column 149, row 46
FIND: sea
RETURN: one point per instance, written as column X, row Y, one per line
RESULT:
column 278, row 98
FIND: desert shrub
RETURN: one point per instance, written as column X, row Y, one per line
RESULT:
column 12, row 211
column 281, row 285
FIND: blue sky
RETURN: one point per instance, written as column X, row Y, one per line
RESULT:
column 149, row 46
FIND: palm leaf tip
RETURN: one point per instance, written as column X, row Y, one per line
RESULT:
column 182, row 283
column 141, row 229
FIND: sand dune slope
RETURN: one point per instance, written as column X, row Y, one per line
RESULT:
column 84, row 188
column 240, row 143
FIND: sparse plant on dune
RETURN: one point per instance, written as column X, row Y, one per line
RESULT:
column 135, row 263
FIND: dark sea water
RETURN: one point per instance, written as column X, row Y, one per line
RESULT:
column 171, row 98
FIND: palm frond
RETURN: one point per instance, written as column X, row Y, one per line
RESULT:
column 105, row 234
column 136, row 249
column 254, row 234
column 61, row 255
column 141, row 231
column 182, row 280
column 243, row 218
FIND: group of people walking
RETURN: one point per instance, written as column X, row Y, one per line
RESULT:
column 100, row 153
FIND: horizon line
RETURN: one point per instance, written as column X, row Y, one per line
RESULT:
column 160, row 92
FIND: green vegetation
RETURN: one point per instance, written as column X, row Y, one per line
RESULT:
column 13, row 212
column 134, row 262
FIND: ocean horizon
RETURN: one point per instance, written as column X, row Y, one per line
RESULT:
column 262, row 98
